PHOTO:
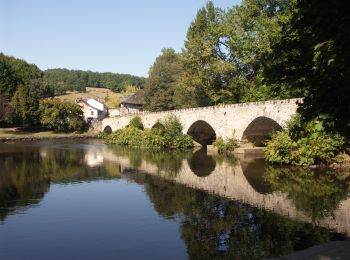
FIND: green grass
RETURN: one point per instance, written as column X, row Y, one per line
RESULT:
column 16, row 133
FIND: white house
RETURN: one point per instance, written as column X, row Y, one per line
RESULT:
column 93, row 109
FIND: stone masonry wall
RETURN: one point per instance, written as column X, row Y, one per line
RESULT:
column 225, row 119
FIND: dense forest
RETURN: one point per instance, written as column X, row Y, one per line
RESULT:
column 61, row 80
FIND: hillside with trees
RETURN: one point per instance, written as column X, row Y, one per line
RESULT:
column 23, row 86
column 62, row 80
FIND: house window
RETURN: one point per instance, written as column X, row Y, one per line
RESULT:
column 92, row 112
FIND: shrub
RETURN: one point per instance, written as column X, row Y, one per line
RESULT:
column 155, row 141
column 308, row 146
column 182, row 142
column 172, row 126
column 169, row 137
column 136, row 122
column 280, row 148
column 219, row 143
column 320, row 148
column 129, row 136
column 226, row 146
column 102, row 135
column 62, row 116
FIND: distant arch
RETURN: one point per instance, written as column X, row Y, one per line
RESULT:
column 107, row 130
column 259, row 130
column 202, row 133
column 202, row 164
column 158, row 125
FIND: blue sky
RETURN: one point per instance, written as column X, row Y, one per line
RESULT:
column 99, row 35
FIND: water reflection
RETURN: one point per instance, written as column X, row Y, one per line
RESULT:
column 214, row 227
column 27, row 172
column 254, row 170
column 320, row 197
column 316, row 193
column 201, row 163
column 226, row 208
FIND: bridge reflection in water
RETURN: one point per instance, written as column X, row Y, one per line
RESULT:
column 300, row 194
column 221, row 207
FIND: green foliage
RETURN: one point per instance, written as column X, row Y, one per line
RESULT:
column 61, row 80
column 102, row 135
column 226, row 229
column 136, row 122
column 22, row 84
column 311, row 145
column 173, row 126
column 317, row 195
column 225, row 146
column 62, row 116
column 280, row 149
column 15, row 72
column 129, row 136
column 225, row 51
column 314, row 55
column 169, row 137
column 5, row 108
column 25, row 103
column 162, row 83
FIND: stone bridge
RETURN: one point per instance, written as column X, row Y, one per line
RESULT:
column 247, row 122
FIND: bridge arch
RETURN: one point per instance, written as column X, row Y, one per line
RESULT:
column 202, row 132
column 158, row 125
column 107, row 129
column 259, row 130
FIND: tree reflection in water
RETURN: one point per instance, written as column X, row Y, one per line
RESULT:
column 214, row 227
column 211, row 226
column 27, row 173
column 317, row 193
column 166, row 161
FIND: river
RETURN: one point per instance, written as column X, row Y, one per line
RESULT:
column 86, row 200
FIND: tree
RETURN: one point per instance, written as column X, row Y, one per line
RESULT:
column 314, row 55
column 162, row 82
column 5, row 108
column 8, row 79
column 25, row 103
column 61, row 116
column 61, row 80
column 225, row 52
column 15, row 72
column 252, row 29
column 207, row 72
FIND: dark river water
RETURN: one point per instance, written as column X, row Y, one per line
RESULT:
column 86, row 200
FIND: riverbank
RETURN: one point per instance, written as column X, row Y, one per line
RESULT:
column 19, row 135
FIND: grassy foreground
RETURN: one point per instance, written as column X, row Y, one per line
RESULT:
column 21, row 134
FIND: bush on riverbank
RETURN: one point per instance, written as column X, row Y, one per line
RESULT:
column 225, row 146
column 304, row 144
column 136, row 122
column 169, row 137
column 62, row 116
